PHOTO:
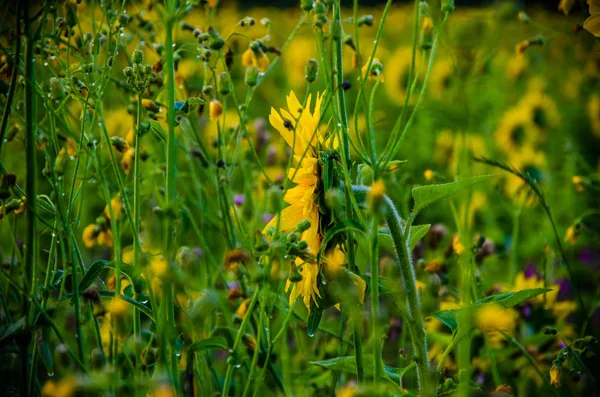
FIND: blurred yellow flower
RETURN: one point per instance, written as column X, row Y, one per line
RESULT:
column 255, row 57
column 565, row 6
column 495, row 320
column 215, row 109
column 116, row 208
column 593, row 111
column 441, row 78
column 397, row 71
column 555, row 372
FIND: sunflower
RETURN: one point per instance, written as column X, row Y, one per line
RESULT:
column 302, row 136
column 592, row 24
column 397, row 74
column 516, row 130
column 540, row 108
column 441, row 78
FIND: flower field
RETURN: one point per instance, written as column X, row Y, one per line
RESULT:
column 299, row 198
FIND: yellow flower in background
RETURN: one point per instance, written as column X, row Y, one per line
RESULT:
column 541, row 108
column 495, row 320
column 555, row 372
column 457, row 246
column 565, row 6
column 254, row 56
column 593, row 112
column 516, row 66
column 66, row 387
column 301, row 136
column 592, row 23
column 117, row 206
column 571, row 235
column 300, row 50
column 516, row 130
column 398, row 71
column 523, row 282
column 215, row 109
column 375, row 72
column 441, row 78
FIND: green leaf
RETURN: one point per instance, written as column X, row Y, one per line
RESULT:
column 195, row 101
column 158, row 130
column 417, row 232
column 429, row 194
column 215, row 342
column 348, row 364
column 314, row 318
column 508, row 299
column 92, row 273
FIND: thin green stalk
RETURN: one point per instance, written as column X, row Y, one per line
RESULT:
column 31, row 187
column 377, row 345
column 238, row 338
column 339, row 75
column 13, row 78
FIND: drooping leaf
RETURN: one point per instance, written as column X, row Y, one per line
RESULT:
column 417, row 232
column 214, row 342
column 92, row 273
column 348, row 364
column 507, row 300
column 429, row 194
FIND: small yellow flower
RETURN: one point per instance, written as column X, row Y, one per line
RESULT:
column 457, row 246
column 375, row 71
column 243, row 308
column 429, row 174
column 90, row 233
column 118, row 308
column 433, row 266
column 255, row 57
column 105, row 237
column 571, row 235
column 555, row 372
column 159, row 266
column 495, row 320
column 216, row 109
column 165, row 389
column 64, row 388
column 377, row 190
column 116, row 208
column 127, row 160
column 565, row 6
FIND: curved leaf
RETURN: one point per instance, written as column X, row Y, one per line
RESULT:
column 429, row 194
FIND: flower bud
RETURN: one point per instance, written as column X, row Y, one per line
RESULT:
column 223, row 83
column 426, row 38
column 119, row 143
column 303, row 225
column 307, row 5
column 138, row 56
column 447, row 5
column 124, row 19
column 252, row 75
column 365, row 20
column 311, row 69
column 56, row 89
column 216, row 109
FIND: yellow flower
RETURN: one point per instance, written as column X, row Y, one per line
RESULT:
column 165, row 389
column 457, row 246
column 243, row 308
column 127, row 160
column 565, row 6
column 301, row 136
column 375, row 71
column 555, row 372
column 433, row 266
column 255, row 57
column 593, row 111
column 348, row 390
column 118, row 308
column 516, row 130
column 516, row 66
column 105, row 237
column 64, row 388
column 495, row 320
column 563, row 309
column 592, row 23
column 216, row 109
column 116, row 208
column 441, row 78
column 398, row 70
column 158, row 266
column 90, row 233
column 541, row 109
column 522, row 282
column 428, row 174
column 571, row 235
